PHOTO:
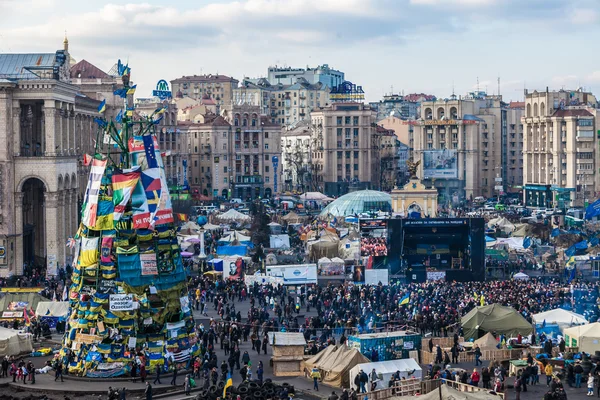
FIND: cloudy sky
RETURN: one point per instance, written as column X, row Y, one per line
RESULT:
column 411, row 45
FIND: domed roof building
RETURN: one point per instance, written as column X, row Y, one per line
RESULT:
column 359, row 202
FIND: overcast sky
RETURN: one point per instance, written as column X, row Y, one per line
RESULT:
column 426, row 46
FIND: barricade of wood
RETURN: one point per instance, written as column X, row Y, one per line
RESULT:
column 464, row 387
column 501, row 355
column 463, row 356
column 444, row 342
column 406, row 387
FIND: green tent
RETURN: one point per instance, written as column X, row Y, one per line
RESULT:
column 494, row 318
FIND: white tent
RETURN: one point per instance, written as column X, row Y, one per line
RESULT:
column 233, row 236
column 563, row 318
column 586, row 337
column 505, row 225
column 314, row 196
column 279, row 242
column 211, row 227
column 233, row 215
column 52, row 309
column 521, row 276
column 13, row 343
column 515, row 243
column 385, row 369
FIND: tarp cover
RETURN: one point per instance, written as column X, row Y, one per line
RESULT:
column 562, row 318
column 52, row 309
column 450, row 393
column 279, row 242
column 408, row 368
column 13, row 343
column 496, row 318
column 233, row 215
column 586, row 337
column 335, row 363
column 487, row 342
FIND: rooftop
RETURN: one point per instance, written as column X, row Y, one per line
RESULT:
column 516, row 104
column 204, row 78
column 29, row 66
column 578, row 112
column 85, row 70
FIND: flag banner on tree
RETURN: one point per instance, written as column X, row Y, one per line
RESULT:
column 90, row 201
column 152, row 188
column 141, row 215
column 123, row 185
column 164, row 215
column 150, row 152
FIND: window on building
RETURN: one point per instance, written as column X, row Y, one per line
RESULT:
column 253, row 122
column 225, row 170
column 339, row 155
column 356, row 143
column 202, row 169
column 339, row 131
column 347, row 120
column 356, row 155
column 356, row 167
column 348, row 133
column 236, row 122
column 225, row 135
column 355, row 132
column 267, row 179
column 339, row 144
column 195, row 163
column 266, row 157
column 339, row 120
column 266, row 135
column 266, row 146
column 195, row 149
column 429, row 145
column 266, row 168
column 355, row 120
column 195, row 135
column 244, row 122
column 224, row 180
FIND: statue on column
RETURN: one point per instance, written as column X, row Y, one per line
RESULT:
column 412, row 167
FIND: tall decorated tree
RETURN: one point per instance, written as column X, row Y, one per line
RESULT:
column 128, row 298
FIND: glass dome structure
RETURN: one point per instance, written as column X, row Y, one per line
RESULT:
column 362, row 201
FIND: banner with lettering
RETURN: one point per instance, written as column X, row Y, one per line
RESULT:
column 90, row 201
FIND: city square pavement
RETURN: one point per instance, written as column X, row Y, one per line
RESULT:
column 89, row 389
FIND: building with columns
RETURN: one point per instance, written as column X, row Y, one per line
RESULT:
column 560, row 148
column 46, row 124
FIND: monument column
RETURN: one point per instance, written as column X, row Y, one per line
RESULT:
column 53, row 244
column 17, row 268
column 50, row 133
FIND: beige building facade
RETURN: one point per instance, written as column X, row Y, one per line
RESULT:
column 467, row 146
column 346, row 148
column 560, row 148
column 415, row 197
column 45, row 126
column 217, row 87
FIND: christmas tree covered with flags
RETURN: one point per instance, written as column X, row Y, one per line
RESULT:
column 128, row 297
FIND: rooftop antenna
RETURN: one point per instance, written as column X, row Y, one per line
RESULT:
column 453, row 94
column 478, row 84
column 498, row 85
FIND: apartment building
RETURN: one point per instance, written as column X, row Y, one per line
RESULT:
column 217, row 87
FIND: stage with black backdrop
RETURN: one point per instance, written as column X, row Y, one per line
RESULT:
column 451, row 249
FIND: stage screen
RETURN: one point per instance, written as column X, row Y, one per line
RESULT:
column 373, row 237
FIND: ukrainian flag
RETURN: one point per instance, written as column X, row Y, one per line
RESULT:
column 102, row 106
column 131, row 90
column 405, row 299
column 228, row 383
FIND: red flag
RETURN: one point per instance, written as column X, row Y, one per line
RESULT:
column 26, row 316
column 87, row 160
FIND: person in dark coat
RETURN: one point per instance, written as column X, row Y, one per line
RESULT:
column 148, row 391
column 454, row 352
column 438, row 354
column 431, row 345
column 157, row 379
column 174, row 379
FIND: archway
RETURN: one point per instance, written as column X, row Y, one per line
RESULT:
column 34, row 229
column 414, row 208
column 268, row 193
column 224, row 193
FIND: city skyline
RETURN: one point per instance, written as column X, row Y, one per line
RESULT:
column 431, row 46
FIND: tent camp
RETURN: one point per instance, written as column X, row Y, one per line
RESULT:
column 520, row 276
column 563, row 318
column 408, row 368
column 13, row 343
column 335, row 363
column 233, row 216
column 13, row 304
column 487, row 342
column 52, row 309
column 496, row 318
column 586, row 337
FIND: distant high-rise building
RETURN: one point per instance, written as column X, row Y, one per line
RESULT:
column 404, row 107
column 217, row 87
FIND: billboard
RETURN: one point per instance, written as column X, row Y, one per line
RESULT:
column 440, row 164
column 303, row 274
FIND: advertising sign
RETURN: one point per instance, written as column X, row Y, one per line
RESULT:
column 162, row 90
column 275, row 161
column 440, row 164
column 303, row 274
column 121, row 302
column 374, row 276
column 149, row 266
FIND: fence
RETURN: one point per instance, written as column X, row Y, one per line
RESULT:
column 464, row 387
column 407, row 387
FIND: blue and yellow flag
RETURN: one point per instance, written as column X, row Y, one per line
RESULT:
column 131, row 90
column 119, row 117
column 405, row 299
column 228, row 383
column 102, row 106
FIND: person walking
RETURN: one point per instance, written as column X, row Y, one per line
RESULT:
column 148, row 391
column 157, row 378
column 590, row 385
column 58, row 373
column 315, row 375
column 174, row 379
column 548, row 371
column 518, row 386
column 475, row 377
column 578, row 370
column 478, row 356
column 187, row 385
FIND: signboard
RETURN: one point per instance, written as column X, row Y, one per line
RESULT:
column 87, row 339
column 374, row 276
column 498, row 187
column 52, row 265
column 149, row 265
column 185, row 303
column 17, row 305
column 436, row 275
column 441, row 122
column 275, row 161
column 12, row 314
column 107, row 286
column 2, row 251
column 440, row 164
column 162, row 90
column 121, row 302
column 347, row 92
column 302, row 274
